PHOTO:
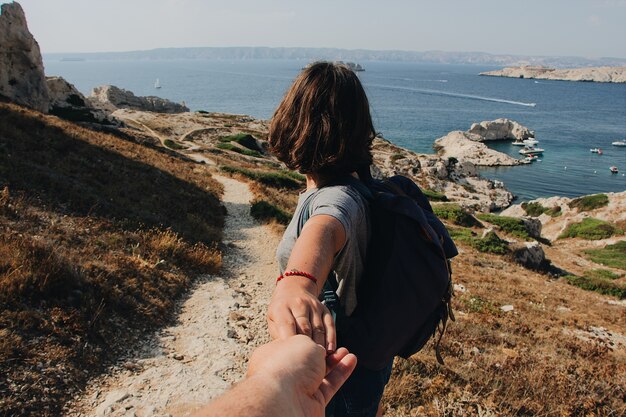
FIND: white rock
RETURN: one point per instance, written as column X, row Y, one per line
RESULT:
column 507, row 308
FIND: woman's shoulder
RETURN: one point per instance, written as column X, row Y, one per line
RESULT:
column 344, row 196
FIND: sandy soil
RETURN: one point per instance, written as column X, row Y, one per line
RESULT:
column 222, row 320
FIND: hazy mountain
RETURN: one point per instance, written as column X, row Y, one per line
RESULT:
column 309, row 54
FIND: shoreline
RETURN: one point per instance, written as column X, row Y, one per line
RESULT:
column 616, row 75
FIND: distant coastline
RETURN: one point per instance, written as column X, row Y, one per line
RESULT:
column 337, row 54
column 590, row 74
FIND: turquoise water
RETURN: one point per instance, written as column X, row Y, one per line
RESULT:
column 412, row 105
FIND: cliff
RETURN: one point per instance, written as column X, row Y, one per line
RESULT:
column 111, row 98
column 22, row 78
column 595, row 74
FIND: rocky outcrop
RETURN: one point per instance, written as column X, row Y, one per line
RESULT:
column 459, row 181
column 70, row 104
column 463, row 147
column 111, row 98
column 530, row 255
column 22, row 78
column 596, row 74
column 559, row 213
column 499, row 129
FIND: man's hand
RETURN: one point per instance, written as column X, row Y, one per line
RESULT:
column 309, row 379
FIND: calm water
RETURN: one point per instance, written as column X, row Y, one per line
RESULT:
column 412, row 105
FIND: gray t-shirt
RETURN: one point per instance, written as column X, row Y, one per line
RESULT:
column 345, row 204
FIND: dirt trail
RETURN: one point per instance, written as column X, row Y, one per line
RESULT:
column 186, row 365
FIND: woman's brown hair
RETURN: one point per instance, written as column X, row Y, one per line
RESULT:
column 323, row 125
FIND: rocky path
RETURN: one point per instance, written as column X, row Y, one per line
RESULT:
column 223, row 319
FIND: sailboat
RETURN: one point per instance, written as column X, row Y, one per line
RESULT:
column 157, row 84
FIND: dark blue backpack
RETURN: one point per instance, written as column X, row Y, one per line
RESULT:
column 405, row 291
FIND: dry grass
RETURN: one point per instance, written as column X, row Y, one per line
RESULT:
column 99, row 237
column 526, row 362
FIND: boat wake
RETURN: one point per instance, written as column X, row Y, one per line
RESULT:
column 459, row 95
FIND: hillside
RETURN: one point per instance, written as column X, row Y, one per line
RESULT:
column 99, row 236
column 102, row 233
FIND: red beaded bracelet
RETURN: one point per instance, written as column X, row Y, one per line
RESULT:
column 295, row 273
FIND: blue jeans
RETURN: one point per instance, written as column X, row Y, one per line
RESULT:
column 360, row 395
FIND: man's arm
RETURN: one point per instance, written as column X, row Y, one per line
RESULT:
column 290, row 377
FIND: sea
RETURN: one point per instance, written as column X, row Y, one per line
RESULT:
column 412, row 104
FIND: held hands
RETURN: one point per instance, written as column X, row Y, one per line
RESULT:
column 308, row 378
column 295, row 309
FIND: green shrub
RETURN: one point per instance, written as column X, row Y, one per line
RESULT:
column 244, row 139
column 554, row 211
column 462, row 234
column 202, row 112
column 491, row 243
column 230, row 147
column 589, row 202
column 171, row 144
column 534, row 209
column 599, row 285
column 434, row 195
column 277, row 179
column 264, row 211
column 610, row 255
column 397, row 156
column 591, row 229
column 511, row 225
column 455, row 214
column 602, row 274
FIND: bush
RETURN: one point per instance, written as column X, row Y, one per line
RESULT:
column 171, row 144
column 491, row 243
column 610, row 255
column 278, row 179
column 230, row 147
column 397, row 156
column 244, row 139
column 591, row 229
column 534, row 209
column 511, row 225
column 434, row 195
column 589, row 202
column 264, row 211
column 599, row 285
column 455, row 214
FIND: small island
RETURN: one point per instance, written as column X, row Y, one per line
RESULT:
column 589, row 74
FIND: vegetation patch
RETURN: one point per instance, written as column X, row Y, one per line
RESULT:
column 602, row 274
column 597, row 284
column 455, row 214
column 276, row 179
column 491, row 243
column 434, row 195
column 172, row 145
column 591, row 229
column 611, row 255
column 265, row 211
column 230, row 147
column 511, row 225
column 589, row 202
column 397, row 156
column 244, row 139
column 534, row 209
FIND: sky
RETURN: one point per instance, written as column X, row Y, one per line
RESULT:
column 588, row 28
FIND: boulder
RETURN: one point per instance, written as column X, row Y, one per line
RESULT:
column 530, row 255
column 22, row 78
column 69, row 103
column 111, row 98
column 533, row 226
column 499, row 129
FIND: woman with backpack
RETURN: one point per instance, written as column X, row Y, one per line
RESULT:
column 323, row 129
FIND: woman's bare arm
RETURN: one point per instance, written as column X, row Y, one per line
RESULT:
column 294, row 308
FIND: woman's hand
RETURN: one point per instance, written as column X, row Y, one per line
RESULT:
column 295, row 309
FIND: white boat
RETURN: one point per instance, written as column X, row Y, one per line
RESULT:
column 614, row 169
column 530, row 141
column 531, row 158
column 596, row 150
column 531, row 150
column 157, row 84
column 619, row 143
column 518, row 143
